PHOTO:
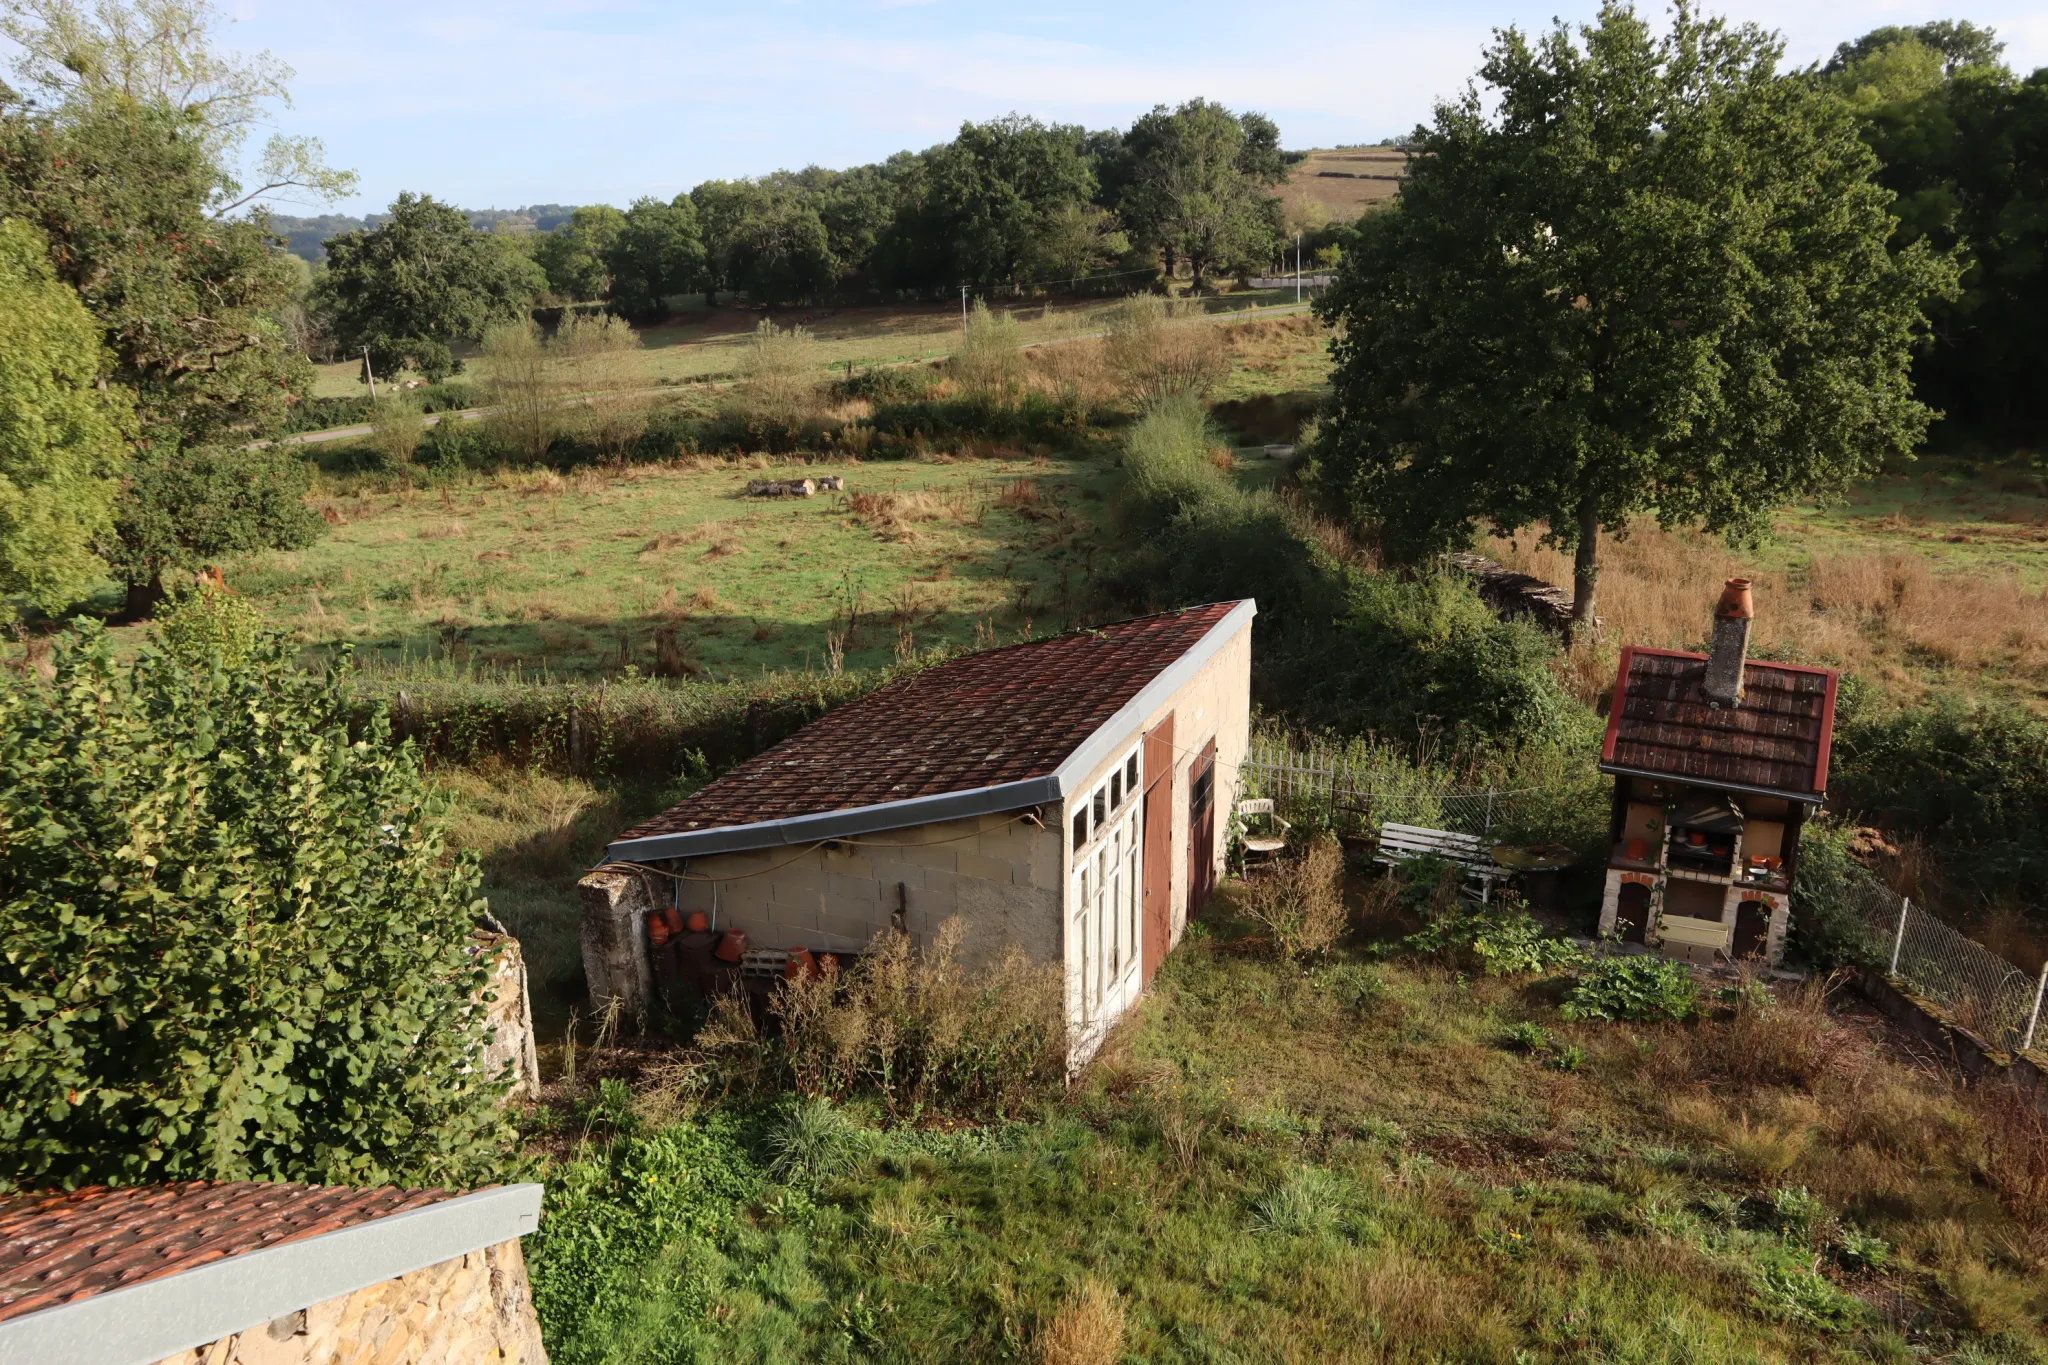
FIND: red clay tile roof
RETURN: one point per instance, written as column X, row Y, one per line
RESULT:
column 59, row 1247
column 1777, row 740
column 1005, row 715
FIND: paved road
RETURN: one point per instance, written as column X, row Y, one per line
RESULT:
column 306, row 438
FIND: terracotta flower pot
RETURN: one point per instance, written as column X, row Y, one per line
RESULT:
column 697, row 923
column 801, row 966
column 673, row 918
column 732, row 947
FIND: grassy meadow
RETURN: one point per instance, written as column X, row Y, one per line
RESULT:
column 1360, row 1161
column 706, row 346
column 674, row 570
column 1935, row 574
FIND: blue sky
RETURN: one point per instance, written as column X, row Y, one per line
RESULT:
column 497, row 103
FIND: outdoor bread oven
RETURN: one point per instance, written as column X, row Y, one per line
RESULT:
column 1718, row 760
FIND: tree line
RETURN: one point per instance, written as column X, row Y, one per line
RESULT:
column 1009, row 203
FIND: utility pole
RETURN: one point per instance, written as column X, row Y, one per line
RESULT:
column 369, row 375
column 1297, row 267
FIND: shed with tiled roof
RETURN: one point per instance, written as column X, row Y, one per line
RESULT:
column 1717, row 759
column 1058, row 794
column 243, row 1270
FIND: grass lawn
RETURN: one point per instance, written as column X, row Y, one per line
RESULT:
column 1353, row 1163
column 577, row 575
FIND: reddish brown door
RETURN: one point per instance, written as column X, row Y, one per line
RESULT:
column 1632, row 912
column 1201, row 828
column 1158, row 836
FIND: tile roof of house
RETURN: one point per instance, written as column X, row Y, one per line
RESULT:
column 1777, row 740
column 1003, row 716
column 62, row 1247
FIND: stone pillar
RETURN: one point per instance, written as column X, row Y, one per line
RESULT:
column 616, row 963
column 511, row 1014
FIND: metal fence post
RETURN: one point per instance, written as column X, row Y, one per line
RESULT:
column 1488, row 831
column 2034, row 1019
column 1899, row 939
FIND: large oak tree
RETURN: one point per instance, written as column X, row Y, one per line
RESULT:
column 1640, row 274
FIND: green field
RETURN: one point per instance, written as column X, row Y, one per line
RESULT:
column 576, row 575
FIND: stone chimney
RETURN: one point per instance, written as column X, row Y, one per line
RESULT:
column 1732, row 616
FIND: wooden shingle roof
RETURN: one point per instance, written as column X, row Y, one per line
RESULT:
column 1777, row 741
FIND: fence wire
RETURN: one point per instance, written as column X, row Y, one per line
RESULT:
column 1973, row 986
column 1323, row 788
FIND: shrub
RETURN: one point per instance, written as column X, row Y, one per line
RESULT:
column 231, row 942
column 1527, row 1037
column 1154, row 359
column 1971, row 777
column 776, row 397
column 1501, row 939
column 910, row 1027
column 1636, row 987
column 1301, row 902
column 988, row 365
column 210, row 625
column 398, row 428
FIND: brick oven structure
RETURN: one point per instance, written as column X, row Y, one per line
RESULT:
column 245, row 1272
column 1718, row 761
column 1068, row 796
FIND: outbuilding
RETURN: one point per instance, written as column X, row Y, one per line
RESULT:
column 1065, row 795
column 1717, row 760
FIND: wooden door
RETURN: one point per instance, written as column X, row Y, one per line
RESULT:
column 1201, row 828
column 1632, row 912
column 1752, row 929
column 1157, row 880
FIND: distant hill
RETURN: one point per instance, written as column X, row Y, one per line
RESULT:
column 1345, row 181
column 306, row 237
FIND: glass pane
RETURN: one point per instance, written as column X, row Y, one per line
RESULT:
column 1131, row 773
column 1080, row 829
column 1101, row 806
column 1116, row 791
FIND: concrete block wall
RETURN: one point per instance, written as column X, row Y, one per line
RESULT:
column 477, row 1307
column 1001, row 874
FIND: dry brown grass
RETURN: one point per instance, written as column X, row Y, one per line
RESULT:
column 1875, row 613
column 1301, row 902
column 1088, row 1329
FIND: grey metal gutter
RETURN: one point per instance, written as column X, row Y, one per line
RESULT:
column 146, row 1322
column 1090, row 754
column 1804, row 798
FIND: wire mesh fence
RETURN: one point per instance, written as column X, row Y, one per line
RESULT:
column 1329, row 789
column 1971, row 985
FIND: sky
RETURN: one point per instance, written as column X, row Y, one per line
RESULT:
column 500, row 103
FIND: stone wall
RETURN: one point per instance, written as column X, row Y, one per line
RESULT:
column 472, row 1308
column 511, row 1014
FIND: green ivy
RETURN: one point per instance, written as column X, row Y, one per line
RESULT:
column 231, row 944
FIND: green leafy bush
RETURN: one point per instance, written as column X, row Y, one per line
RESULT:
column 1527, row 1037
column 208, row 624
column 610, row 1224
column 1971, row 777
column 1637, row 987
column 1501, row 939
column 231, row 942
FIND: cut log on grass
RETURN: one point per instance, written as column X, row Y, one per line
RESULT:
column 781, row 488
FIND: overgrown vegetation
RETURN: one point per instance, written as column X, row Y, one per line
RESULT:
column 232, row 945
column 1341, row 646
column 1270, row 1164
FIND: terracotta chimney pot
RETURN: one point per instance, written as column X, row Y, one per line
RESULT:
column 1735, row 601
column 1732, row 614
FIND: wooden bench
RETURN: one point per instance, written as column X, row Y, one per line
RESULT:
column 1399, row 843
